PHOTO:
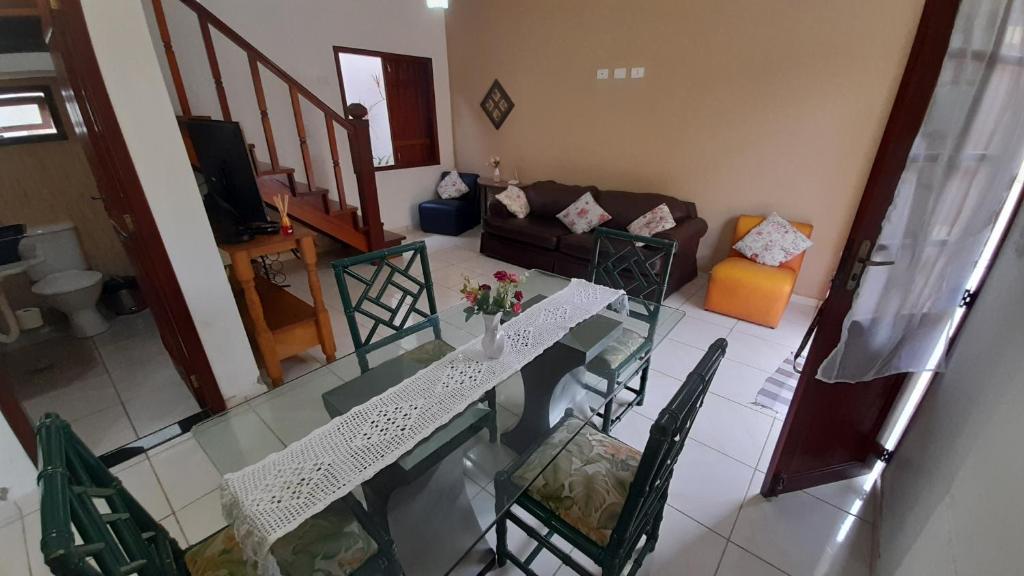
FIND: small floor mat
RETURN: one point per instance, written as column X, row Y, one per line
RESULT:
column 777, row 391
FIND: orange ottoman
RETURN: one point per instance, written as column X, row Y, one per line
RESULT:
column 744, row 289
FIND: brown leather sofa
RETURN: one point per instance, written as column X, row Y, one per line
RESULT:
column 541, row 241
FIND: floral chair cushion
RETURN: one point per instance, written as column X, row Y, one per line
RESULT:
column 587, row 483
column 515, row 200
column 773, row 242
column 451, row 186
column 331, row 543
column 617, row 351
column 583, row 215
column 657, row 220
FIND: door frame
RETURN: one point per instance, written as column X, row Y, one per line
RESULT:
column 917, row 85
column 95, row 125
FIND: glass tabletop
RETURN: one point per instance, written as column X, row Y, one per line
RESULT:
column 439, row 499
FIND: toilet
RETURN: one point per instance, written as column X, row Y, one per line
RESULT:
column 63, row 277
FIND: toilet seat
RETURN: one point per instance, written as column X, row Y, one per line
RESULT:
column 64, row 282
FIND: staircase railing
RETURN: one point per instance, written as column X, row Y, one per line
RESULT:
column 355, row 125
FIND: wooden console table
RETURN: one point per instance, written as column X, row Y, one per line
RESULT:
column 281, row 324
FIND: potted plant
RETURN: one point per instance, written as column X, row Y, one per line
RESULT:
column 492, row 302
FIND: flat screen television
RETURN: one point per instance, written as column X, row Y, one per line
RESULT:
column 231, row 196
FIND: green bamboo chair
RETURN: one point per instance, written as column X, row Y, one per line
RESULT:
column 639, row 265
column 598, row 494
column 91, row 525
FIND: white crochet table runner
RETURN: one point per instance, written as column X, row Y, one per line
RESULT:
column 272, row 497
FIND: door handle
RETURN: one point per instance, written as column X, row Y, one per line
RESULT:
column 862, row 262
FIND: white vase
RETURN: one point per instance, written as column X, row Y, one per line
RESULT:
column 493, row 341
column 497, row 174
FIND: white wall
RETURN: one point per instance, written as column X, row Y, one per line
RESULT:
column 299, row 37
column 952, row 498
column 132, row 76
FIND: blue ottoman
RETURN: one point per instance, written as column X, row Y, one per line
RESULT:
column 455, row 216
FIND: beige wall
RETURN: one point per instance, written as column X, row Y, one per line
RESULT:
column 747, row 106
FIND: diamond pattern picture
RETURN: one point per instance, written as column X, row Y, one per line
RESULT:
column 497, row 104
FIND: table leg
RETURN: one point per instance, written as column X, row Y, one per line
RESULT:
column 546, row 382
column 307, row 250
column 241, row 267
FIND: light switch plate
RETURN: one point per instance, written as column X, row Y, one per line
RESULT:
column 620, row 73
column 602, row 73
column 637, row 72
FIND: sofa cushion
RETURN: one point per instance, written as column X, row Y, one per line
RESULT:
column 577, row 245
column 657, row 220
column 540, row 232
column 451, row 186
column 583, row 215
column 773, row 242
column 514, row 201
column 548, row 198
column 626, row 207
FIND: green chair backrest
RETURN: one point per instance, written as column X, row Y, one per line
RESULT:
column 668, row 434
column 638, row 265
column 387, row 294
column 79, row 494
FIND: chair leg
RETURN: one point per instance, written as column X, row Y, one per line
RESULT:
column 501, row 550
column 609, row 406
column 643, row 383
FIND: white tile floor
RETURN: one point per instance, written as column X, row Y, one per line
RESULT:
column 716, row 522
column 113, row 388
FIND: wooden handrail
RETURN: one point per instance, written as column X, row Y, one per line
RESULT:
column 353, row 121
column 267, row 63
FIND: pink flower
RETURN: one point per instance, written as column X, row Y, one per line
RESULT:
column 471, row 297
column 513, row 277
column 517, row 308
column 518, row 295
column 485, row 287
column 502, row 276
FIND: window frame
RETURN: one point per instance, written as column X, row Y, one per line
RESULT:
column 435, row 159
column 50, row 112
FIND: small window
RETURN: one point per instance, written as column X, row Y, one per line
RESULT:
column 28, row 114
column 398, row 92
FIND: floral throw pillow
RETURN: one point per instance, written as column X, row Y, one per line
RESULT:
column 515, row 200
column 451, row 186
column 773, row 242
column 657, row 220
column 583, row 215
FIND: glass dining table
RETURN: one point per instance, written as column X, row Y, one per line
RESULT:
column 437, row 502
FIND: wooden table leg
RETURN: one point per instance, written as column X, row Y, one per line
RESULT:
column 241, row 267
column 307, row 249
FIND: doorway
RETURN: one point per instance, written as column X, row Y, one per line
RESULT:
column 131, row 370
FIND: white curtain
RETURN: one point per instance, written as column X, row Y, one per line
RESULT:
column 960, row 172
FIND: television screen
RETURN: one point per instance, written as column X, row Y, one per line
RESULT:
column 232, row 197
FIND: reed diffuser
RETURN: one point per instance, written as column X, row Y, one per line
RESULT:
column 281, row 201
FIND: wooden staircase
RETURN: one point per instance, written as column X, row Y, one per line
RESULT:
column 311, row 204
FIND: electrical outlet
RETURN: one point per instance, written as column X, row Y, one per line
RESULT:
column 637, row 72
column 602, row 73
column 620, row 73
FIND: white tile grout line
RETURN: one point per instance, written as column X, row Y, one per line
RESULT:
column 110, row 377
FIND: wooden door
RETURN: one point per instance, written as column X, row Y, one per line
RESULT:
column 96, row 126
column 831, row 430
column 409, row 84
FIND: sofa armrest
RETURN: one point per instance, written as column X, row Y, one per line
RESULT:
column 498, row 210
column 686, row 233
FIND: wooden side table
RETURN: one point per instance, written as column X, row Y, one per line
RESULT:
column 488, row 188
column 281, row 324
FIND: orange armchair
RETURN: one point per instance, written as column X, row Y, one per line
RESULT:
column 744, row 289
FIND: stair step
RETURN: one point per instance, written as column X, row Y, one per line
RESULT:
column 266, row 169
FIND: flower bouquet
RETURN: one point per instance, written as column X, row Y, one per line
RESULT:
column 492, row 302
column 494, row 162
